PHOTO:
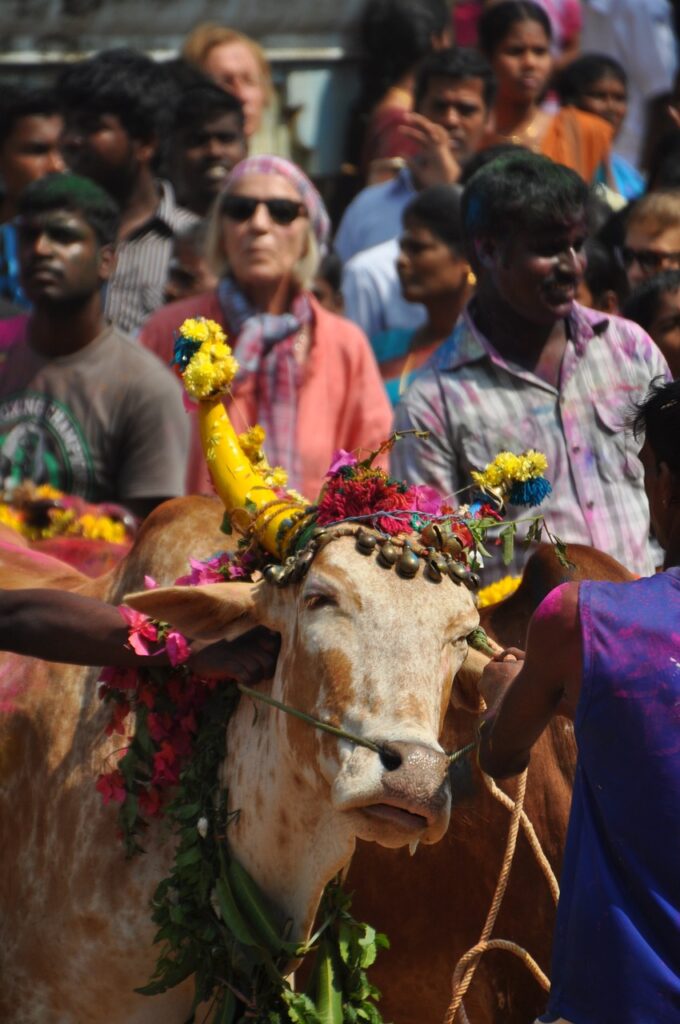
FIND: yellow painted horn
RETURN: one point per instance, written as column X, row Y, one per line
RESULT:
column 207, row 368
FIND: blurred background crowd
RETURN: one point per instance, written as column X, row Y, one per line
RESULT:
column 312, row 206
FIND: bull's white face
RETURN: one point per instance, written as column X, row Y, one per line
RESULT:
column 362, row 649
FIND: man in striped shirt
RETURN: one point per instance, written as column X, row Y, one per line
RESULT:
column 527, row 367
column 116, row 108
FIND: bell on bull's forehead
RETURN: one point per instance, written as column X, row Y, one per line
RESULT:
column 251, row 490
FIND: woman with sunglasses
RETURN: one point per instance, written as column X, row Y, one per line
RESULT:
column 307, row 376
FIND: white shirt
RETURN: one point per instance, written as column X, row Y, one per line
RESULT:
column 372, row 293
column 374, row 215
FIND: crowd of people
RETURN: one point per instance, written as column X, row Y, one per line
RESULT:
column 506, row 276
column 135, row 194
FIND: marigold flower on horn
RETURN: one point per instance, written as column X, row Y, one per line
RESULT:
column 204, row 359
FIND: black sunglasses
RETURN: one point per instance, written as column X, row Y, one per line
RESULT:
column 281, row 211
column 649, row 260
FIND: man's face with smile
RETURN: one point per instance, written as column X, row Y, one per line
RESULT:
column 537, row 270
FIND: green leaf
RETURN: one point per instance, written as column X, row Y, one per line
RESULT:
column 535, row 530
column 188, row 857
column 561, row 553
column 507, row 536
column 226, row 526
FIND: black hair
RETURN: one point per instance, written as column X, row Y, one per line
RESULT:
column 520, row 190
column 76, row 194
column 603, row 271
column 457, row 63
column 123, row 82
column 484, row 156
column 657, row 418
column 16, row 103
column 576, row 78
column 204, row 102
column 643, row 303
column 395, row 36
column 497, row 21
column 438, row 209
column 664, row 165
column 330, row 270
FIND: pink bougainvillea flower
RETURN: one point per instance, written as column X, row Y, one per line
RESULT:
column 142, row 632
column 425, row 499
column 341, row 458
column 150, row 802
column 177, row 647
column 120, row 709
column 150, row 583
column 117, row 679
column 112, row 787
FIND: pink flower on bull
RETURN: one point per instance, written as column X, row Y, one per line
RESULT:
column 112, row 787
column 425, row 499
column 150, row 802
column 341, row 458
column 177, row 647
column 142, row 632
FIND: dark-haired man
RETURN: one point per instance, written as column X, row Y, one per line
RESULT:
column 453, row 98
column 527, row 367
column 30, row 129
column 116, row 108
column 616, row 952
column 207, row 141
column 82, row 407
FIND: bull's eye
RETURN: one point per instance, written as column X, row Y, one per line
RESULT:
column 315, row 601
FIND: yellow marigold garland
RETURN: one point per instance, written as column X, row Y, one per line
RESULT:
column 498, row 591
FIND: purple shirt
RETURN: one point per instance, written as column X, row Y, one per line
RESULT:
column 616, row 952
column 475, row 403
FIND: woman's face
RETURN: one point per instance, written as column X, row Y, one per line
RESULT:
column 428, row 269
column 608, row 98
column 259, row 250
column 234, row 67
column 522, row 63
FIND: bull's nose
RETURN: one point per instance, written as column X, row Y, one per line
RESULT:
column 417, row 757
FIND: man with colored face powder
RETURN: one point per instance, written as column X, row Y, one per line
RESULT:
column 616, row 955
column 528, row 367
column 82, row 407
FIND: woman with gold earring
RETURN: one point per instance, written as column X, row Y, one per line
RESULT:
column 434, row 271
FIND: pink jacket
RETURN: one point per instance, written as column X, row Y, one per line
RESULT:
column 342, row 402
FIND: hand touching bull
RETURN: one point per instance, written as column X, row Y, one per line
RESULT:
column 59, row 626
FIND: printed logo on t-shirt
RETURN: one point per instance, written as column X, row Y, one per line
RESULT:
column 40, row 440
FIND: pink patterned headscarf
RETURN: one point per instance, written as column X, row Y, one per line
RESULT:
column 318, row 216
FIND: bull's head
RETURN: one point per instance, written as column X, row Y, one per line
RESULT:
column 361, row 649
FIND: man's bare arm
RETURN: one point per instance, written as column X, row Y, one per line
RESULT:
column 56, row 625
column 548, row 681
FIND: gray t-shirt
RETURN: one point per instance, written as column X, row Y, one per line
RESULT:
column 106, row 423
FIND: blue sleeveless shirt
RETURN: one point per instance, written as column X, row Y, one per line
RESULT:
column 616, row 951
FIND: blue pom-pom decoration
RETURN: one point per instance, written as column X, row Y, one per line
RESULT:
column 530, row 492
column 185, row 349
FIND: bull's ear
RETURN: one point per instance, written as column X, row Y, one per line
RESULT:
column 216, row 611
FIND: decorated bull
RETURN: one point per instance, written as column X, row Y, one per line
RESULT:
column 363, row 653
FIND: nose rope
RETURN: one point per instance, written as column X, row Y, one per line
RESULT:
column 477, row 639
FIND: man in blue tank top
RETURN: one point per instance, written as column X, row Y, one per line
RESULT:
column 616, row 952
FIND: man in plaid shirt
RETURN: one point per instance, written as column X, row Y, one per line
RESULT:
column 527, row 367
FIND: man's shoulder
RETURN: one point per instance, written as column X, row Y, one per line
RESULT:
column 375, row 261
column 623, row 338
column 170, row 316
